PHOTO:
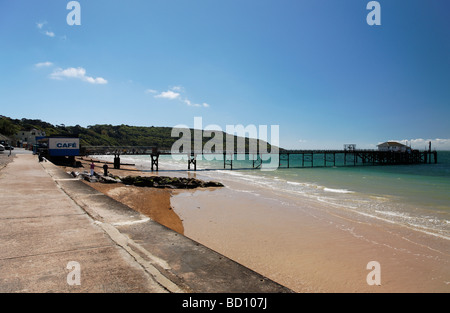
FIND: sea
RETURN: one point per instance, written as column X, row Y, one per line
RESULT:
column 416, row 196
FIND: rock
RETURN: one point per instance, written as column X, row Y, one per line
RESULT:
column 108, row 180
column 91, row 179
column 168, row 182
column 213, row 184
column 75, row 174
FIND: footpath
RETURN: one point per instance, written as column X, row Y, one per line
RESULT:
column 57, row 234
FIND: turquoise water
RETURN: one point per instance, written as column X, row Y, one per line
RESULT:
column 417, row 196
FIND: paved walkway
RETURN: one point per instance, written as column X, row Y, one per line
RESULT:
column 48, row 219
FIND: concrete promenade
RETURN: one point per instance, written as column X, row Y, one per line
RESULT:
column 48, row 219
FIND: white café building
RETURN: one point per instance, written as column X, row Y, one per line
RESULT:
column 393, row 146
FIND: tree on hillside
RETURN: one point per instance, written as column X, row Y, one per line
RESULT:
column 7, row 127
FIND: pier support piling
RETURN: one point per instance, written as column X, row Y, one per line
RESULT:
column 117, row 161
column 192, row 159
column 228, row 162
column 155, row 161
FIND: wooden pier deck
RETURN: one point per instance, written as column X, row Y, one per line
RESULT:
column 286, row 158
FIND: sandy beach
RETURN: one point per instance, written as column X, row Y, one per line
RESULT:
column 312, row 248
column 300, row 243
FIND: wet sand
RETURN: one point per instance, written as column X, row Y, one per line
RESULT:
column 302, row 244
column 152, row 202
column 309, row 246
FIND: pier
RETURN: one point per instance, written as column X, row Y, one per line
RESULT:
column 286, row 158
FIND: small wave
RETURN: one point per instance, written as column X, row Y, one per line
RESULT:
column 313, row 186
column 394, row 214
column 338, row 190
column 379, row 198
column 248, row 191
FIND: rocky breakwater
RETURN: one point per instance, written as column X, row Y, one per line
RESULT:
column 151, row 181
column 168, row 182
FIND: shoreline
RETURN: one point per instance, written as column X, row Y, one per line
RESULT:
column 302, row 244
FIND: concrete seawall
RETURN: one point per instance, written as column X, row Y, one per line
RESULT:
column 48, row 219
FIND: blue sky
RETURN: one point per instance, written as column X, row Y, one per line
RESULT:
column 313, row 67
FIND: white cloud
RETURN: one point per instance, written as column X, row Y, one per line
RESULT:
column 47, row 32
column 50, row 34
column 177, row 88
column 78, row 73
column 422, row 144
column 40, row 25
column 175, row 93
column 43, row 64
column 189, row 103
column 171, row 95
column 98, row 80
column 438, row 144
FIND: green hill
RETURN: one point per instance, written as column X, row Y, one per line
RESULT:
column 105, row 135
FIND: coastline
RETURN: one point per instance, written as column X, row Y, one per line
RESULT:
column 302, row 244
